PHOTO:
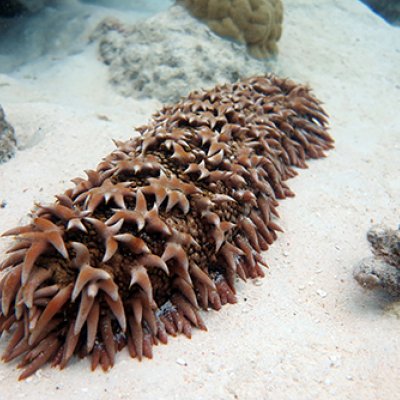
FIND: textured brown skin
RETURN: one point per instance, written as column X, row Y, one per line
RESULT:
column 161, row 228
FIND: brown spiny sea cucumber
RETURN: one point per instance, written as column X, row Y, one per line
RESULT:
column 161, row 228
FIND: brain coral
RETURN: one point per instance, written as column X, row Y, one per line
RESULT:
column 256, row 23
column 161, row 228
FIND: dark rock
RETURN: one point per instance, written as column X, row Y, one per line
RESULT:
column 8, row 140
column 388, row 9
column 11, row 9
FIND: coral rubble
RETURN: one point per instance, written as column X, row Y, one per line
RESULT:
column 382, row 270
column 8, row 141
column 169, row 55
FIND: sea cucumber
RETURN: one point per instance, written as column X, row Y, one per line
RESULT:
column 161, row 228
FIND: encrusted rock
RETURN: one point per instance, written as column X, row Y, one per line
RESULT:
column 170, row 54
column 15, row 8
column 388, row 9
column 382, row 270
column 8, row 140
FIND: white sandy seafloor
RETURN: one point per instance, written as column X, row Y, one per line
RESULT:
column 306, row 331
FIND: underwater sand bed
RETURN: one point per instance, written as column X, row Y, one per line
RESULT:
column 307, row 329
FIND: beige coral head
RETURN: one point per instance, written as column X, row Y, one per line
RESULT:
column 256, row 23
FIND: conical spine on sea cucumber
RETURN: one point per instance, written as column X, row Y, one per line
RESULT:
column 161, row 228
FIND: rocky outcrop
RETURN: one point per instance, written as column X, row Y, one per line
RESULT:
column 388, row 9
column 383, row 269
column 169, row 55
column 14, row 8
column 8, row 140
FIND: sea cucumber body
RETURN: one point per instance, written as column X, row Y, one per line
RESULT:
column 161, row 228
